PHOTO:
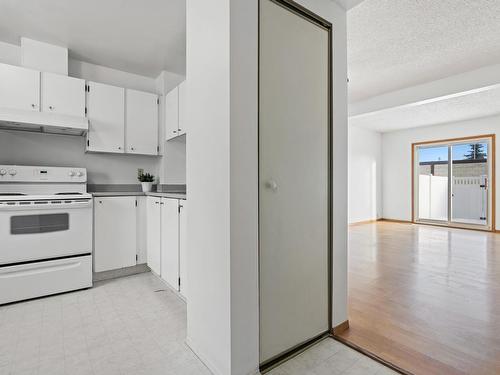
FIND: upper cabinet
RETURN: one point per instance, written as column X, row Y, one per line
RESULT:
column 175, row 112
column 141, row 123
column 182, row 108
column 19, row 88
column 115, row 119
column 172, row 114
column 121, row 121
column 106, row 115
column 63, row 95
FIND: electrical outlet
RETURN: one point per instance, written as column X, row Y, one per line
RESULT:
column 140, row 171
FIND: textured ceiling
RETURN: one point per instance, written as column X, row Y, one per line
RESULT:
column 394, row 44
column 142, row 37
column 481, row 104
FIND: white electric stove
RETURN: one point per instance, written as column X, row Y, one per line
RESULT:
column 45, row 231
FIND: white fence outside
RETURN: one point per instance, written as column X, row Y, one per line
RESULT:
column 470, row 199
column 433, row 197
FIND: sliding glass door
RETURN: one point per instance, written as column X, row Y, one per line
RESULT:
column 452, row 182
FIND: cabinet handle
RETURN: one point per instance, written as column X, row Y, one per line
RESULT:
column 51, row 107
column 33, row 105
column 175, row 131
column 119, row 148
column 180, row 130
column 132, row 148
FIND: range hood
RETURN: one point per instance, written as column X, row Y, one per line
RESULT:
column 41, row 122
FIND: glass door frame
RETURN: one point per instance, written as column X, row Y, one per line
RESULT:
column 490, row 140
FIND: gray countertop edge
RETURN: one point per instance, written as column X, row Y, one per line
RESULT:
column 139, row 193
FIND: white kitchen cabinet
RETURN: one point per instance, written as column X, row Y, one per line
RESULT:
column 182, row 109
column 114, row 233
column 19, row 88
column 141, row 123
column 142, row 234
column 153, row 222
column 167, row 251
column 183, row 212
column 106, row 115
column 175, row 112
column 63, row 95
column 172, row 114
column 170, row 241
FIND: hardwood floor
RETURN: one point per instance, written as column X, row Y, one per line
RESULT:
column 426, row 298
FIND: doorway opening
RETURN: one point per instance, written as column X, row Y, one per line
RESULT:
column 454, row 182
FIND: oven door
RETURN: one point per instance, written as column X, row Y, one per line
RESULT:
column 44, row 229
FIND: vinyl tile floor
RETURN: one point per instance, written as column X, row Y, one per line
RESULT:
column 132, row 325
column 330, row 357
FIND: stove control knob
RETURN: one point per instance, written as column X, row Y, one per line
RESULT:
column 3, row 172
column 79, row 174
column 71, row 174
column 12, row 172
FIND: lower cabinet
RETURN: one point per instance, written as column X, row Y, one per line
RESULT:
column 166, row 240
column 183, row 247
column 170, row 242
column 115, row 233
column 153, row 215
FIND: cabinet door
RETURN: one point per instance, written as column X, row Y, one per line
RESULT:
column 153, row 217
column 182, row 109
column 170, row 242
column 106, row 114
column 63, row 95
column 141, row 123
column 172, row 114
column 114, row 233
column 142, row 235
column 19, row 88
column 182, row 247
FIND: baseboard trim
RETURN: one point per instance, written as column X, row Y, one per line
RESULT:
column 208, row 364
column 371, row 221
column 121, row 272
column 397, row 221
column 371, row 355
column 340, row 328
column 169, row 287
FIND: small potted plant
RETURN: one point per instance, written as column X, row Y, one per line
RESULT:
column 146, row 180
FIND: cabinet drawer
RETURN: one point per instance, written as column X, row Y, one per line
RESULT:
column 33, row 280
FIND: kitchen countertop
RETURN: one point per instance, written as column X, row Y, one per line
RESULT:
column 139, row 193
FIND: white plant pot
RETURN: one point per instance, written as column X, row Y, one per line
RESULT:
column 147, row 186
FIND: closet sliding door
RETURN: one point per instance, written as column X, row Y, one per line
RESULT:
column 294, row 173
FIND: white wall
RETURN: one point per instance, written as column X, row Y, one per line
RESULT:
column 25, row 148
column 222, row 174
column 174, row 161
column 365, row 174
column 244, row 187
column 396, row 159
column 10, row 54
column 207, row 152
column 103, row 74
